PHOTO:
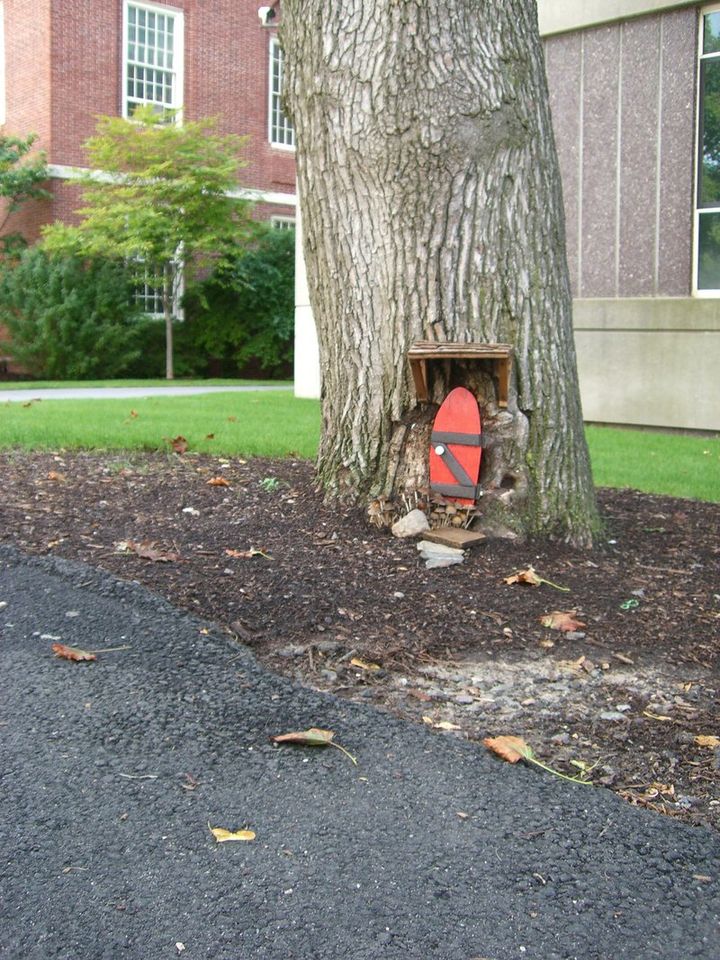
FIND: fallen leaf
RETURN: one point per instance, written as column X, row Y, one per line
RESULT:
column 463, row 815
column 71, row 653
column 314, row 737
column 707, row 740
column 232, row 419
column 59, row 477
column 146, row 550
column 363, row 665
column 525, row 576
column 561, row 620
column 419, row 695
column 133, row 414
column 655, row 716
column 209, row 436
column 217, row 482
column 247, row 554
column 179, row 443
column 509, row 748
column 529, row 576
column 547, row 643
column 513, row 749
column 222, row 835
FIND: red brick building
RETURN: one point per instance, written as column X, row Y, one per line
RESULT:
column 64, row 62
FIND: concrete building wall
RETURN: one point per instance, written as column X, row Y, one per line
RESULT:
column 622, row 98
column 622, row 81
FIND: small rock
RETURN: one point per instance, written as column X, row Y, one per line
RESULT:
column 328, row 646
column 72, row 613
column 495, row 531
column 575, row 635
column 411, row 525
column 464, row 699
column 192, row 511
column 294, row 650
column 613, row 715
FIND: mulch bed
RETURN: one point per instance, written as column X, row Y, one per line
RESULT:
column 312, row 587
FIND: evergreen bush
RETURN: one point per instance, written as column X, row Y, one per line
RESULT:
column 68, row 319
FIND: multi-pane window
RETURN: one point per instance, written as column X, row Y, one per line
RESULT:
column 149, row 295
column 281, row 130
column 282, row 223
column 153, row 58
column 708, row 181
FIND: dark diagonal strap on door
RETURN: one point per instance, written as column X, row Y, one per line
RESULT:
column 455, row 467
column 463, row 439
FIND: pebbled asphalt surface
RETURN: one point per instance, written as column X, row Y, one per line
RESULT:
column 349, row 863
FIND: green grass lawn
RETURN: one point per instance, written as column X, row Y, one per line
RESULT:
column 676, row 464
column 78, row 384
column 268, row 424
column 277, row 424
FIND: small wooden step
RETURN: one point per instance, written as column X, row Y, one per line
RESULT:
column 453, row 537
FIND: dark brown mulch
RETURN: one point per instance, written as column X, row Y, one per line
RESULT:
column 628, row 694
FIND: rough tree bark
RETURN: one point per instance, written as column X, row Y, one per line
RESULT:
column 432, row 209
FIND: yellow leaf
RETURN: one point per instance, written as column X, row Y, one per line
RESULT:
column 655, row 716
column 706, row 740
column 363, row 665
column 222, row 835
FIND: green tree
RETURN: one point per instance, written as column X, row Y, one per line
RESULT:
column 21, row 177
column 69, row 318
column 160, row 197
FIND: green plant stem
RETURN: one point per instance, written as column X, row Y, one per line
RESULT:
column 555, row 585
column 544, row 766
column 347, row 754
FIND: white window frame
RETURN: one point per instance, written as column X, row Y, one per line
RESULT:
column 178, row 68
column 280, row 131
column 177, row 309
column 282, row 223
column 3, row 104
column 698, row 211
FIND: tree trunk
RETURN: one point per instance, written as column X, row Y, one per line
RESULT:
column 432, row 210
column 168, row 289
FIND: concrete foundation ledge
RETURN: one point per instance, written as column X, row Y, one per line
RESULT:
column 560, row 16
column 650, row 362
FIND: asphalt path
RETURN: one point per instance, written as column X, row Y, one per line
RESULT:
column 428, row 849
column 112, row 393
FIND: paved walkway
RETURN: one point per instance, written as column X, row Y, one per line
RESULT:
column 109, row 393
column 429, row 849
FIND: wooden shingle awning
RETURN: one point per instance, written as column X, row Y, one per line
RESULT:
column 424, row 351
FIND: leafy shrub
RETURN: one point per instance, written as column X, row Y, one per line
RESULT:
column 243, row 313
column 68, row 319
